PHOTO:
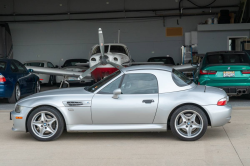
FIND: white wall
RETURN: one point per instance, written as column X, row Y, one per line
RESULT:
column 217, row 40
column 73, row 39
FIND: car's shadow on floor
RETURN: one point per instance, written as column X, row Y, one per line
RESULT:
column 215, row 133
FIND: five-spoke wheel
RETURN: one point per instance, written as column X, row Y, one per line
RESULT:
column 45, row 123
column 188, row 123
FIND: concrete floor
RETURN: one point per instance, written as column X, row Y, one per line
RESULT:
column 228, row 145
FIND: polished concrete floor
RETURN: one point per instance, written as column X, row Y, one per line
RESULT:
column 223, row 146
column 228, row 146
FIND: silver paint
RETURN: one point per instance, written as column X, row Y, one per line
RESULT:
column 128, row 112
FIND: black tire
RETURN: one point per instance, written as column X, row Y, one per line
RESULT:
column 58, row 116
column 13, row 98
column 51, row 81
column 188, row 110
column 38, row 89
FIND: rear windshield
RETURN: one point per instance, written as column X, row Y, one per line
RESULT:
column 165, row 60
column 226, row 59
column 37, row 64
column 2, row 65
column 180, row 79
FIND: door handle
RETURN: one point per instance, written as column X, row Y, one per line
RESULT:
column 148, row 101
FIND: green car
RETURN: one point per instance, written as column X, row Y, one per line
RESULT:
column 228, row 70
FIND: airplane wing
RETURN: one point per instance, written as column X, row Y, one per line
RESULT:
column 143, row 63
column 53, row 71
column 183, row 68
column 82, row 64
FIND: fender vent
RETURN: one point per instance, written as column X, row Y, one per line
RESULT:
column 74, row 103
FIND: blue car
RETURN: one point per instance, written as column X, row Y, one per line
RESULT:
column 16, row 81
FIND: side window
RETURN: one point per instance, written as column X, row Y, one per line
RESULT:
column 109, row 89
column 50, row 65
column 13, row 67
column 21, row 68
column 139, row 84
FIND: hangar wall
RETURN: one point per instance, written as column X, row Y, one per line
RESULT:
column 54, row 41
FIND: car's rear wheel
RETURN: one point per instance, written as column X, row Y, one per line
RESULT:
column 16, row 94
column 45, row 123
column 51, row 81
column 188, row 123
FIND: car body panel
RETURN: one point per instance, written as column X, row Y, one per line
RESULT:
column 26, row 81
column 127, row 113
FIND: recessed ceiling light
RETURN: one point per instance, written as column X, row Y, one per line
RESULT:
column 107, row 3
column 60, row 4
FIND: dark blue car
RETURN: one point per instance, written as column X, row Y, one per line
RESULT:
column 16, row 81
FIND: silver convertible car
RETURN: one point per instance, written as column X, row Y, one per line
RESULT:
column 134, row 99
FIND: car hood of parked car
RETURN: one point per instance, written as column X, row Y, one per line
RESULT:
column 67, row 92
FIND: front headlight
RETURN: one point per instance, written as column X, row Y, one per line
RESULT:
column 18, row 108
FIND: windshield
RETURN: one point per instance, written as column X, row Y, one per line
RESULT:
column 73, row 62
column 166, row 60
column 226, row 58
column 97, row 49
column 99, row 84
column 180, row 79
column 37, row 64
column 118, row 49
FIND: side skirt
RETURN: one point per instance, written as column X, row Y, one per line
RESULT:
column 116, row 127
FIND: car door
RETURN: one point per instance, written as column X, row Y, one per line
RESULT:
column 136, row 105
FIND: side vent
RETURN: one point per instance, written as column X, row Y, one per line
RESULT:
column 74, row 103
column 77, row 103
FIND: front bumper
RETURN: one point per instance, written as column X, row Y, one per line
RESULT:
column 219, row 115
column 19, row 124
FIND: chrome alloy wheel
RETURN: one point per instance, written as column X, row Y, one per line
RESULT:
column 44, row 124
column 188, row 123
column 38, row 87
column 18, row 93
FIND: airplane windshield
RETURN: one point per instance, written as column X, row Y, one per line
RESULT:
column 97, row 50
column 117, row 49
column 99, row 84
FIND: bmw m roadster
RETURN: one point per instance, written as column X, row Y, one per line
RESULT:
column 134, row 99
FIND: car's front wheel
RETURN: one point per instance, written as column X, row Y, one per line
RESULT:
column 188, row 123
column 45, row 123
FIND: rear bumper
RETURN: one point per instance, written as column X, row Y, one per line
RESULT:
column 234, row 90
column 6, row 91
column 219, row 115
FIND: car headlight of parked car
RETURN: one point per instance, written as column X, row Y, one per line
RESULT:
column 18, row 108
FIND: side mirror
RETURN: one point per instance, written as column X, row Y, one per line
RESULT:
column 116, row 93
column 30, row 70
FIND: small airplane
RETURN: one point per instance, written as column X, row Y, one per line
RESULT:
column 104, row 60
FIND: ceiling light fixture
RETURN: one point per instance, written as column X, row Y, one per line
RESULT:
column 107, row 3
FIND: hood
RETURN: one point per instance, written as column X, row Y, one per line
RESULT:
column 57, row 92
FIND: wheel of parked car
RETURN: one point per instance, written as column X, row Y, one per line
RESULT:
column 16, row 94
column 51, row 81
column 38, row 87
column 45, row 123
column 188, row 123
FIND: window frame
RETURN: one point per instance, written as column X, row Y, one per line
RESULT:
column 5, row 65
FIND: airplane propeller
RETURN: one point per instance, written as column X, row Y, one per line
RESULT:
column 103, row 58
